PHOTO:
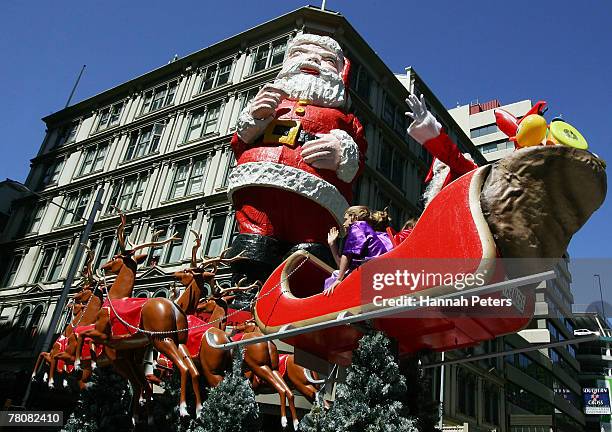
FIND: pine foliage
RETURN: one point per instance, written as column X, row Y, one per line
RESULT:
column 371, row 398
column 103, row 405
column 230, row 407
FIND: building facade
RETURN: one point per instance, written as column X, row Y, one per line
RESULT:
column 595, row 363
column 539, row 390
column 478, row 122
column 159, row 146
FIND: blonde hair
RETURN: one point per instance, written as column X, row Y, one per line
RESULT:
column 358, row 213
column 410, row 223
column 380, row 219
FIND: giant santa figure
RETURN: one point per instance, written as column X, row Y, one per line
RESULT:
column 298, row 152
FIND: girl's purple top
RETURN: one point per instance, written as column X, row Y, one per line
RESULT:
column 362, row 243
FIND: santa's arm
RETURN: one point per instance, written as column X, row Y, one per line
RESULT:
column 353, row 147
column 427, row 131
column 256, row 116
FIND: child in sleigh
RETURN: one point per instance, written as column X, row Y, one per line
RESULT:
column 361, row 244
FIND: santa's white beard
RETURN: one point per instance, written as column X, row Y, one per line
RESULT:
column 325, row 89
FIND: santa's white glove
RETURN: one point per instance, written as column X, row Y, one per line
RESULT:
column 256, row 117
column 323, row 152
column 335, row 151
column 424, row 126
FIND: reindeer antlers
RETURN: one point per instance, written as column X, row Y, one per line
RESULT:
column 220, row 260
column 88, row 272
column 155, row 243
column 238, row 288
column 121, row 230
column 194, row 250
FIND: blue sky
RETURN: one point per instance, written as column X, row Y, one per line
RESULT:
column 558, row 51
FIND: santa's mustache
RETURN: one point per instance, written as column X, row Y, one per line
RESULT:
column 296, row 68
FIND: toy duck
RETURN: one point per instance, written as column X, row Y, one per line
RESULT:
column 532, row 129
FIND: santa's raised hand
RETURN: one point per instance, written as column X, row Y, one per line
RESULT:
column 266, row 101
column 424, row 126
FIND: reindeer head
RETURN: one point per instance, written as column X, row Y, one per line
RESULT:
column 206, row 271
column 87, row 274
column 128, row 257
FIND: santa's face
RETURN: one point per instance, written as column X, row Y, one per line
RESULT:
column 311, row 59
column 313, row 72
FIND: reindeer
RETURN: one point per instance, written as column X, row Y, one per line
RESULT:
column 307, row 382
column 163, row 323
column 261, row 358
column 85, row 306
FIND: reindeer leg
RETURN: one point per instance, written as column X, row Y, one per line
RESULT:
column 52, row 369
column 77, row 355
column 125, row 369
column 290, row 397
column 85, row 378
column 214, row 361
column 195, row 376
column 266, row 374
column 39, row 361
column 168, row 348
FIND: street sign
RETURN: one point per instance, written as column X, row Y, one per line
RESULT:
column 596, row 400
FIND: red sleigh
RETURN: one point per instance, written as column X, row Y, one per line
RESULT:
column 453, row 228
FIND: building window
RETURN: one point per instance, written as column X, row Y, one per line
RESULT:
column 128, row 193
column 51, row 264
column 247, row 96
column 203, row 122
column 269, row 55
column 144, row 142
column 74, row 207
column 466, row 393
column 103, row 251
column 216, row 75
column 214, row 241
column 93, row 159
column 52, row 173
column 235, row 231
column 231, row 163
column 175, row 249
column 392, row 165
column 188, row 178
column 169, row 252
column 66, row 134
column 159, row 97
column 109, row 116
column 32, row 219
column 483, row 130
column 9, row 277
column 360, row 81
column 491, row 404
column 18, row 337
column 389, row 110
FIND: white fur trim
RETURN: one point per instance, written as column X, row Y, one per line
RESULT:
column 289, row 178
column 425, row 130
column 349, row 156
column 440, row 172
column 249, row 128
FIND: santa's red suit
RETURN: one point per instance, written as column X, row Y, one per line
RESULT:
column 276, row 193
column 428, row 132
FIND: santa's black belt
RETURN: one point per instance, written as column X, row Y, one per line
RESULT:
column 287, row 132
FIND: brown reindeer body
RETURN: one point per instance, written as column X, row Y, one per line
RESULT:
column 85, row 306
column 91, row 306
column 163, row 325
